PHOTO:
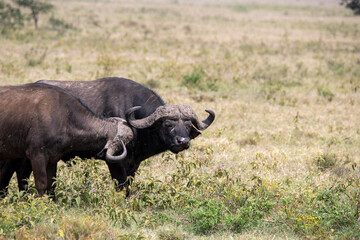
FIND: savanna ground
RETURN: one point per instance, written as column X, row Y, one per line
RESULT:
column 281, row 160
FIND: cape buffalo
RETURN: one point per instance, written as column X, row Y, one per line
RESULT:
column 43, row 123
column 166, row 127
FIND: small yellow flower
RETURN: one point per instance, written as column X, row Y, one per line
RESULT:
column 61, row 232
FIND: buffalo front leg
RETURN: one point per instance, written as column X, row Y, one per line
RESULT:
column 118, row 172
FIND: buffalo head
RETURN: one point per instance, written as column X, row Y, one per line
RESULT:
column 175, row 125
column 123, row 136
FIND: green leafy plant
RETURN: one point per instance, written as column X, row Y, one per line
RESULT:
column 206, row 216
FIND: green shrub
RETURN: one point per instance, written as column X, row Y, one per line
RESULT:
column 249, row 214
column 206, row 216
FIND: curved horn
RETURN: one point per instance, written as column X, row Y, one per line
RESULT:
column 167, row 111
column 141, row 123
column 205, row 123
column 116, row 159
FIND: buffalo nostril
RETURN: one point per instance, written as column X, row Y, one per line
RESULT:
column 179, row 140
column 182, row 141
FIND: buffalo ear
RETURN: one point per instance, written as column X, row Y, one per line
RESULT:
column 194, row 133
column 101, row 154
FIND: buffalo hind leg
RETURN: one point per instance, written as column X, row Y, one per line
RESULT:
column 7, row 169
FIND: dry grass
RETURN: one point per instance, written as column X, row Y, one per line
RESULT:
column 283, row 79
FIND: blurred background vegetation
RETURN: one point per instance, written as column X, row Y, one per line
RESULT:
column 281, row 160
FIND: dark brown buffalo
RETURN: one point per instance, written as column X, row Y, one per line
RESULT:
column 43, row 123
column 167, row 127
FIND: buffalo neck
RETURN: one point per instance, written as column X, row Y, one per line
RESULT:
column 93, row 134
column 148, row 145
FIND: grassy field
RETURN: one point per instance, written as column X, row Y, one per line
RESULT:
column 281, row 160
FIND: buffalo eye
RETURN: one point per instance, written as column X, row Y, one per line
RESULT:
column 188, row 125
column 168, row 124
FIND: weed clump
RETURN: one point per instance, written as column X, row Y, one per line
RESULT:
column 36, row 56
column 152, row 83
column 170, row 235
column 198, row 79
column 250, row 139
column 326, row 161
column 131, row 236
column 325, row 93
column 192, row 80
